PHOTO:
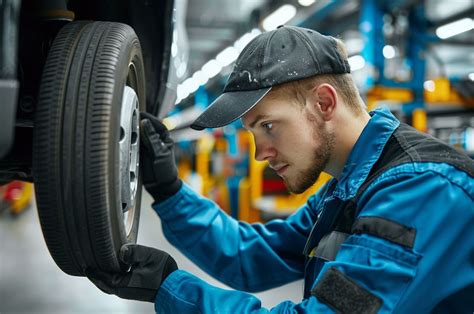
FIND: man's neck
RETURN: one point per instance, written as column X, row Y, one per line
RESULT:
column 346, row 135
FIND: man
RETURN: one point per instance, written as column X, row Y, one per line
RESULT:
column 393, row 231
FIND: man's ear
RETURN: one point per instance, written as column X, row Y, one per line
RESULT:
column 326, row 99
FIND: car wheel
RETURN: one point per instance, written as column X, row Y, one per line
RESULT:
column 86, row 145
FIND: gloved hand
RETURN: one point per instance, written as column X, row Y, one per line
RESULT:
column 149, row 268
column 159, row 172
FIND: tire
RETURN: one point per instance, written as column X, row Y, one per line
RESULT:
column 91, row 92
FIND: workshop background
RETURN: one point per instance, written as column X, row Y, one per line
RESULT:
column 415, row 57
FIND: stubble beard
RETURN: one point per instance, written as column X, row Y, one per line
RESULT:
column 307, row 177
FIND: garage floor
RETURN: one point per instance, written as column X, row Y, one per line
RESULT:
column 30, row 281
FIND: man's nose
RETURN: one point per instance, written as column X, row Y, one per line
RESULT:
column 264, row 151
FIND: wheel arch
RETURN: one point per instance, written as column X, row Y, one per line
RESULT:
column 153, row 24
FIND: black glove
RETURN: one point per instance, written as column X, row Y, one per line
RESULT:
column 159, row 172
column 149, row 268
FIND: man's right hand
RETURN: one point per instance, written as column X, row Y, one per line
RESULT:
column 149, row 267
column 159, row 172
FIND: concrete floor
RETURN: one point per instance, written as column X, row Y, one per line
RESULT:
column 30, row 281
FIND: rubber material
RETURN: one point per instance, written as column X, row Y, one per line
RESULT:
column 76, row 144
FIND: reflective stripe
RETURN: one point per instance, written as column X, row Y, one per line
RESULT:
column 344, row 295
column 329, row 245
column 385, row 229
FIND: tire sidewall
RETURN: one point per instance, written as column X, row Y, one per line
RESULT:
column 129, row 54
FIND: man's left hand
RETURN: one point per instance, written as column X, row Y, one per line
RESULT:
column 149, row 268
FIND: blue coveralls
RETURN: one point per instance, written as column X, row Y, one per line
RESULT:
column 433, row 200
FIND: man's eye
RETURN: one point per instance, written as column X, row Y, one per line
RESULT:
column 268, row 125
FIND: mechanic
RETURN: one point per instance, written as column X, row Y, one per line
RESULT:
column 392, row 231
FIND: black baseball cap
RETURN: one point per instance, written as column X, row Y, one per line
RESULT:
column 285, row 54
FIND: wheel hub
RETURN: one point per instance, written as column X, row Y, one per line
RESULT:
column 129, row 154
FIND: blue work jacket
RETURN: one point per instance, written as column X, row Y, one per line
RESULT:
column 432, row 200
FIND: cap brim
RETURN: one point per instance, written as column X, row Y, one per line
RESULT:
column 228, row 107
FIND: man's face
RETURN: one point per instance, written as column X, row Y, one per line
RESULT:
column 295, row 146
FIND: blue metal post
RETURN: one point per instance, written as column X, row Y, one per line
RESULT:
column 371, row 28
column 416, row 56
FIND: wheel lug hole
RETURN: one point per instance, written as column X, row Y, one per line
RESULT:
column 122, row 134
column 134, row 137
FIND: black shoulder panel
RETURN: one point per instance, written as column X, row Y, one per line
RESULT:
column 408, row 145
column 385, row 229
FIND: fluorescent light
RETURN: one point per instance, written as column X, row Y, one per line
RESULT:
column 471, row 76
column 354, row 45
column 282, row 15
column 356, row 62
column 388, row 52
column 211, row 68
column 454, row 28
column 182, row 91
column 181, row 70
column 189, row 86
column 246, row 38
column 186, row 85
column 174, row 46
column 306, row 3
column 227, row 56
column 174, row 50
column 429, row 86
column 200, row 78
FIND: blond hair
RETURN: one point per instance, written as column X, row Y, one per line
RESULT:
column 342, row 83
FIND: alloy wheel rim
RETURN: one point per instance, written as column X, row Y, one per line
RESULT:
column 129, row 144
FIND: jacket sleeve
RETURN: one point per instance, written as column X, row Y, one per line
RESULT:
column 373, row 271
column 182, row 292
column 236, row 253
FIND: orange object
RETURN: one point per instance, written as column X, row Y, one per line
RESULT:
column 16, row 196
column 420, row 120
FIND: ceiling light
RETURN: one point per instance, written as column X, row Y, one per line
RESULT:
column 282, row 15
column 306, row 3
column 429, row 86
column 246, row 38
column 454, row 28
column 354, row 45
column 200, row 78
column 227, row 56
column 174, row 45
column 181, row 69
column 356, row 62
column 211, row 68
column 181, row 93
column 388, row 52
column 189, row 86
column 174, row 50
